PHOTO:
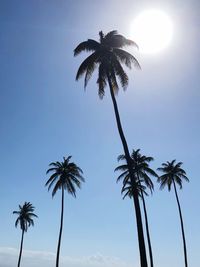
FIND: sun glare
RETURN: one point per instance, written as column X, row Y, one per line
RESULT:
column 152, row 31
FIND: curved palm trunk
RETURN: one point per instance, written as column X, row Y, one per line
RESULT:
column 147, row 231
column 142, row 249
column 182, row 228
column 21, row 246
column 61, row 227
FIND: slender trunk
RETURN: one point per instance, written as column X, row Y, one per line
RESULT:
column 21, row 246
column 147, row 226
column 142, row 249
column 61, row 227
column 147, row 231
column 182, row 228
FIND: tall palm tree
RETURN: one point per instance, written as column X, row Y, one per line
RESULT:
column 142, row 171
column 108, row 56
column 66, row 176
column 24, row 219
column 173, row 174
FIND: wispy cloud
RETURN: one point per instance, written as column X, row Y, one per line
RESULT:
column 9, row 256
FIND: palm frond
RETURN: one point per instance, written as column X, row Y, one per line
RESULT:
column 102, row 80
column 115, row 40
column 57, row 186
column 114, row 83
column 121, row 157
column 126, row 58
column 110, row 34
column 16, row 222
column 51, row 184
column 120, row 41
column 120, row 73
column 123, row 167
column 51, row 169
column 124, row 176
column 55, row 164
column 151, row 172
column 52, row 178
column 89, row 45
column 87, row 67
column 88, row 74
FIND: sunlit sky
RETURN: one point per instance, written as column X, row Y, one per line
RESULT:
column 152, row 30
column 45, row 115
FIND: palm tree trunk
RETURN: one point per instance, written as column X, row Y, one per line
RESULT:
column 21, row 246
column 182, row 228
column 147, row 231
column 61, row 227
column 142, row 249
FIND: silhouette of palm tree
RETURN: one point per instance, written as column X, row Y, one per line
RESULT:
column 142, row 171
column 24, row 219
column 107, row 55
column 66, row 176
column 174, row 174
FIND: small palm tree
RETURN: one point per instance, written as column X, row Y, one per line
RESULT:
column 173, row 174
column 108, row 56
column 142, row 171
column 66, row 176
column 24, row 219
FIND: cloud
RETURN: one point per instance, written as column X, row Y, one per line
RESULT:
column 31, row 258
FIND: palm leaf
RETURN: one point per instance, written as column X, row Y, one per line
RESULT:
column 101, row 81
column 89, row 45
column 87, row 67
column 120, row 73
column 126, row 58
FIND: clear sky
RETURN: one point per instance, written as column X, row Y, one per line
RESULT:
column 45, row 115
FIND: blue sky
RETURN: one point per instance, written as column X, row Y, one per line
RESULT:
column 45, row 115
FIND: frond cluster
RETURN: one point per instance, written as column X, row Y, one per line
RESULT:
column 108, row 56
column 142, row 173
column 25, row 216
column 172, row 173
column 66, row 175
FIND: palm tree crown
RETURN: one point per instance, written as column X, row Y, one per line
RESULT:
column 65, row 175
column 172, row 172
column 107, row 55
column 25, row 216
column 128, row 190
column 141, row 169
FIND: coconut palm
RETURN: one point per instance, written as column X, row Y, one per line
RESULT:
column 142, row 171
column 173, row 174
column 66, row 176
column 108, row 56
column 24, row 219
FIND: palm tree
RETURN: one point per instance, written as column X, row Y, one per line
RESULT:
column 66, row 176
column 142, row 171
column 24, row 219
column 107, row 55
column 173, row 174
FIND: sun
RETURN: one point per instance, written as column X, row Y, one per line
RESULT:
column 152, row 30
